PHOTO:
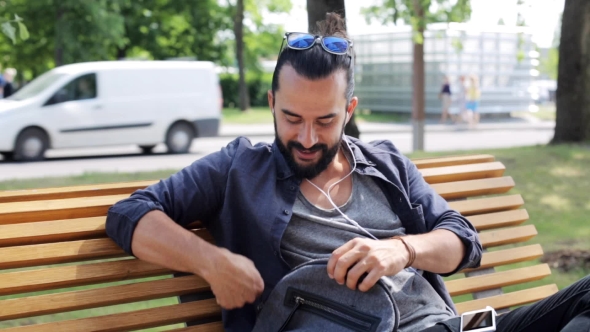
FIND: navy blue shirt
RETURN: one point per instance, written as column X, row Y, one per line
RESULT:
column 245, row 194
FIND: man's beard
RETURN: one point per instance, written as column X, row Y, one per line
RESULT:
column 311, row 171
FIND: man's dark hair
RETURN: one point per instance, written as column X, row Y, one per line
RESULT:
column 315, row 63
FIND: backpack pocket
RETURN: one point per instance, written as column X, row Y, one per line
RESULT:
column 305, row 303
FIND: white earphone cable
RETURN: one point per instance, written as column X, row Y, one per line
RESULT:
column 350, row 220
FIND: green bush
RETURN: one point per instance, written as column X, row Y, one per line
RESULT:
column 258, row 85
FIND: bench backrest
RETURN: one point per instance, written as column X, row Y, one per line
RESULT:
column 59, row 271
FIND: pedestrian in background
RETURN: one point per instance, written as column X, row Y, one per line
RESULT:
column 461, row 101
column 9, row 75
column 473, row 98
column 445, row 98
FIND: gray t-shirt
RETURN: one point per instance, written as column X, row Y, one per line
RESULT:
column 314, row 232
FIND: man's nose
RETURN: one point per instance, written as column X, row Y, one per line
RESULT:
column 307, row 136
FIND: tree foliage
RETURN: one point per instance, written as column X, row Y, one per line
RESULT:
column 69, row 31
column 436, row 11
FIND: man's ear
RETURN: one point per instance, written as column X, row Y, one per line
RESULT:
column 271, row 102
column 351, row 107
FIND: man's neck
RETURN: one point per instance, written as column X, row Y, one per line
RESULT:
column 338, row 168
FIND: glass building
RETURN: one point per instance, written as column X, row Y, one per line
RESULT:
column 503, row 59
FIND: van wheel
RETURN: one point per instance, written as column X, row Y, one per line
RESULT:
column 179, row 138
column 31, row 145
column 147, row 149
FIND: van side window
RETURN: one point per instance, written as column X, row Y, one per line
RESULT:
column 81, row 88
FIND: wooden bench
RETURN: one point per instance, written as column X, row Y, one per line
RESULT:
column 52, row 241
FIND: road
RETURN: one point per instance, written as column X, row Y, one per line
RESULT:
column 129, row 159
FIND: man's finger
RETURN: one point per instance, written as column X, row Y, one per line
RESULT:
column 370, row 280
column 336, row 254
column 344, row 263
column 355, row 273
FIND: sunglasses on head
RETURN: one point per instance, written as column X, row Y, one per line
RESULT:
column 304, row 41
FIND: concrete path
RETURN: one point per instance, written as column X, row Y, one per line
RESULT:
column 490, row 134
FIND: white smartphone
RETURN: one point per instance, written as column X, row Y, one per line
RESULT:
column 483, row 320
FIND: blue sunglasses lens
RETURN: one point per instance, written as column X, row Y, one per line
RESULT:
column 336, row 44
column 299, row 40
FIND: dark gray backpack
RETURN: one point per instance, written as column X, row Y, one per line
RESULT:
column 306, row 299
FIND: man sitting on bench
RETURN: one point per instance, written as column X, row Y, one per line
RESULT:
column 315, row 193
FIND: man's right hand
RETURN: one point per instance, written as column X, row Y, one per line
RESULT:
column 234, row 279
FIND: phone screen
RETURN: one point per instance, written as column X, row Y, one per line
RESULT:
column 478, row 320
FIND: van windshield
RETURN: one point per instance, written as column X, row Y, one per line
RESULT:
column 36, row 86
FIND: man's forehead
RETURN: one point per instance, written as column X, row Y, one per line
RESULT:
column 290, row 78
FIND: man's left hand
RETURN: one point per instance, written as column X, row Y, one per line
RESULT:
column 376, row 258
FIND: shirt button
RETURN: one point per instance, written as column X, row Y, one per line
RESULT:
column 275, row 253
column 286, row 212
column 292, row 187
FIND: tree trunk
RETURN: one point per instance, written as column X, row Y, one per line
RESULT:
column 59, row 56
column 316, row 11
column 573, row 81
column 418, row 114
column 239, row 35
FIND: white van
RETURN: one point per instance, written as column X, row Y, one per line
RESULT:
column 112, row 103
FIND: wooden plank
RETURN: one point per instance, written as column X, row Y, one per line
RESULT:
column 65, row 252
column 211, row 327
column 73, row 192
column 508, row 256
column 52, row 231
column 134, row 320
column 471, row 188
column 499, row 219
column 505, row 236
column 92, row 298
column 497, row 279
column 487, row 205
column 20, row 212
column 509, row 299
column 57, row 231
column 77, row 275
column 452, row 161
column 463, row 172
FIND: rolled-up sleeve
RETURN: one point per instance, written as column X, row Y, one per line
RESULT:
column 194, row 193
column 438, row 215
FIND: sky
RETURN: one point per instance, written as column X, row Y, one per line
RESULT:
column 542, row 16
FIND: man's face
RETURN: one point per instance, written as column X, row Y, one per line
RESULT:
column 309, row 117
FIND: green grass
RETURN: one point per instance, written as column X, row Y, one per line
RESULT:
column 546, row 113
column 258, row 115
column 553, row 180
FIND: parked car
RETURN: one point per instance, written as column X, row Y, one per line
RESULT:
column 112, row 103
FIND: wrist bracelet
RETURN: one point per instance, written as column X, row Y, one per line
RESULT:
column 411, row 251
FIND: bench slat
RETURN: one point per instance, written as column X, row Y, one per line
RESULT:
column 105, row 189
column 487, row 205
column 20, row 212
column 497, row 279
column 463, row 172
column 52, row 231
column 65, row 252
column 119, row 188
column 471, row 188
column 140, row 319
column 509, row 299
column 452, row 161
column 93, row 298
column 499, row 219
column 77, row 275
column 504, row 236
column 508, row 256
column 94, row 273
